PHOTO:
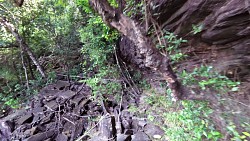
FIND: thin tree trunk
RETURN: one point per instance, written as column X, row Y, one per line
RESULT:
column 25, row 70
column 153, row 58
column 30, row 68
column 24, row 47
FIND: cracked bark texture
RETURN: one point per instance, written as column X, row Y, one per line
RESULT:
column 134, row 32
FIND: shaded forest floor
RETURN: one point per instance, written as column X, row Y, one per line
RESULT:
column 142, row 110
column 67, row 110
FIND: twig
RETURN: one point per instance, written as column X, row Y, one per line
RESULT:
column 69, row 120
column 118, row 123
column 240, row 102
column 146, row 15
column 81, row 116
column 117, row 62
column 25, row 70
column 132, row 81
column 59, row 116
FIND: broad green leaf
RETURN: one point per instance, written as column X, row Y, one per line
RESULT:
column 246, row 133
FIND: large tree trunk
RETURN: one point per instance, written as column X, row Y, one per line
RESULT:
column 24, row 47
column 136, row 33
column 224, row 41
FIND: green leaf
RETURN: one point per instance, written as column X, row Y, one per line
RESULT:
column 205, row 134
column 243, row 137
column 246, row 133
column 216, row 133
column 235, row 89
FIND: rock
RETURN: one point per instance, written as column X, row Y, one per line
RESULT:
column 97, row 138
column 25, row 119
column 140, row 136
column 79, row 128
column 126, row 123
column 66, row 95
column 14, row 115
column 128, row 131
column 134, row 124
column 123, row 137
column 32, row 131
column 142, row 123
column 153, row 131
column 52, row 105
column 5, row 131
column 80, row 106
column 37, row 110
column 44, row 119
column 60, row 84
column 105, row 128
column 51, row 125
column 76, row 100
column 37, row 117
column 157, row 136
column 61, row 137
column 68, row 127
column 48, row 91
column 41, row 136
column 47, row 118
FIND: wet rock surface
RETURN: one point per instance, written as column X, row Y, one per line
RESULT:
column 64, row 111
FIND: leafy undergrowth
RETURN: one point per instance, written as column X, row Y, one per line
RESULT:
column 181, row 121
column 196, row 120
column 222, row 119
column 190, row 122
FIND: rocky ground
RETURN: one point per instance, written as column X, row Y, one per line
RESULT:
column 65, row 111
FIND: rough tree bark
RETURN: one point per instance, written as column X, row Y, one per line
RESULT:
column 224, row 41
column 132, row 30
column 24, row 47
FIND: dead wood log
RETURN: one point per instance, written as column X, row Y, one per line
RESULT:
column 131, row 29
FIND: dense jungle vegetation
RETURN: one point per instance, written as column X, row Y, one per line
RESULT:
column 80, row 41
